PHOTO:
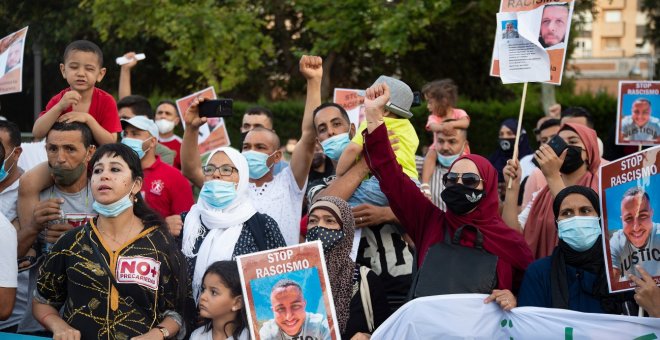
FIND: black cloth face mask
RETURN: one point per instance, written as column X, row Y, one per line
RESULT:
column 506, row 145
column 573, row 160
column 461, row 199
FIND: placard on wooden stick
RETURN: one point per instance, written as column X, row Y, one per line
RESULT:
column 530, row 45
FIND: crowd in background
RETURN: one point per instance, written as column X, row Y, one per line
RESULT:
column 109, row 182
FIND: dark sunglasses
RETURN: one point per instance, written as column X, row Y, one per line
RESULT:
column 468, row 179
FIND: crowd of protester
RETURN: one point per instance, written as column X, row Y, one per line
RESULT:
column 115, row 184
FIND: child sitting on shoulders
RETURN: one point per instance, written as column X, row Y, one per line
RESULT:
column 396, row 119
column 441, row 97
column 82, row 101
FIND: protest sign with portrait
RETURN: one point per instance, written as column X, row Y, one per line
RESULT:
column 530, row 41
column 638, row 113
column 214, row 133
column 287, row 294
column 352, row 101
column 631, row 231
column 11, row 61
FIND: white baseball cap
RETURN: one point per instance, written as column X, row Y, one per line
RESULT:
column 142, row 123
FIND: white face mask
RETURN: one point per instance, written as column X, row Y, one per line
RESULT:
column 165, row 126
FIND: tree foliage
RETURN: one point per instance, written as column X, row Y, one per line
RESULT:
column 216, row 41
column 250, row 49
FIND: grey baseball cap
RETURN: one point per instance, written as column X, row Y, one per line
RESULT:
column 142, row 123
column 401, row 96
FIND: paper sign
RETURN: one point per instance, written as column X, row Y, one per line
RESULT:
column 638, row 113
column 530, row 41
column 11, row 61
column 631, row 230
column 287, row 293
column 352, row 101
column 213, row 134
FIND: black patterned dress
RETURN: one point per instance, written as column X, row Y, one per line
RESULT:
column 106, row 294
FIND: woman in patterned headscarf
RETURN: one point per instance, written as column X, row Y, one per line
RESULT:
column 331, row 221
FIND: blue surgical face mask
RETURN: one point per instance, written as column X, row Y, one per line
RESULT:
column 257, row 163
column 447, row 161
column 579, row 232
column 217, row 193
column 335, row 145
column 116, row 208
column 3, row 171
column 135, row 144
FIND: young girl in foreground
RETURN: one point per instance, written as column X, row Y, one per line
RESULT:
column 221, row 304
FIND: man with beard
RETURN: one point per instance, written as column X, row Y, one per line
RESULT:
column 68, row 148
column 554, row 24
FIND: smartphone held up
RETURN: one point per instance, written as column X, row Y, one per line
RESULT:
column 216, row 108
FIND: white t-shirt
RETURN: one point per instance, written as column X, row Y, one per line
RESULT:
column 625, row 256
column 314, row 328
column 200, row 334
column 281, row 199
column 32, row 155
column 8, row 265
column 8, row 199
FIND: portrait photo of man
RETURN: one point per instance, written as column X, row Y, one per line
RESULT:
column 638, row 241
column 510, row 32
column 14, row 56
column 640, row 125
column 291, row 321
column 554, row 25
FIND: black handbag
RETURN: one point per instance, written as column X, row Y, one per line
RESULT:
column 450, row 268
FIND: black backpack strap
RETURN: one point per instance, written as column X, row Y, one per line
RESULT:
column 256, row 225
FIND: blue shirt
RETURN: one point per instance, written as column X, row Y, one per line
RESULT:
column 536, row 290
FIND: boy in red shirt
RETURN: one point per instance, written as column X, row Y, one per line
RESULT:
column 82, row 101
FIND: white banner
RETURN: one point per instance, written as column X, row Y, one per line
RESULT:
column 465, row 316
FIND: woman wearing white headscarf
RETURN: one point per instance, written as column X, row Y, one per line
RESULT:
column 224, row 223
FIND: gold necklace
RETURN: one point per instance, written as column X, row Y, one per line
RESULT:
column 128, row 233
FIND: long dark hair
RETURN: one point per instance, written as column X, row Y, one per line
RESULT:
column 228, row 273
column 151, row 218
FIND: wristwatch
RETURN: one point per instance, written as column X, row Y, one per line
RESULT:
column 166, row 333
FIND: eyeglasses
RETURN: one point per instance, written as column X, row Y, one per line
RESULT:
column 468, row 179
column 225, row 170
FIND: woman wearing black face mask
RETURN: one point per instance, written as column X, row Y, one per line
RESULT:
column 470, row 195
column 331, row 221
column 504, row 151
column 577, row 165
